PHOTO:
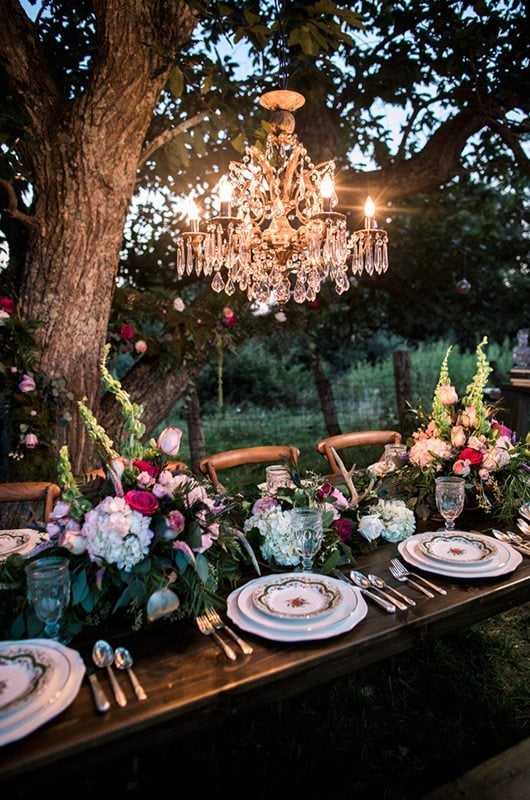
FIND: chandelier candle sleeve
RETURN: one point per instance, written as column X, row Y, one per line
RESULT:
column 277, row 235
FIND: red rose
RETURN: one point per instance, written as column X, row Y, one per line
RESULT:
column 144, row 502
column 145, row 466
column 324, row 491
column 474, row 457
column 127, row 332
column 229, row 318
column 7, row 305
column 344, row 528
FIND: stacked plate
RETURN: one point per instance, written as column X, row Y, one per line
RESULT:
column 296, row 607
column 459, row 554
column 20, row 541
column 39, row 678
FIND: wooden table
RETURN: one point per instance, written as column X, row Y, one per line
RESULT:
column 191, row 685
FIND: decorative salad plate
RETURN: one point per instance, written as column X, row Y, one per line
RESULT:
column 457, row 548
column 297, row 597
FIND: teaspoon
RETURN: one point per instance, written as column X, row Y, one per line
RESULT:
column 513, row 539
column 123, row 660
column 523, row 526
column 379, row 583
column 364, row 584
column 103, row 656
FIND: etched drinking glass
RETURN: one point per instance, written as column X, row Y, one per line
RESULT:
column 48, row 590
column 307, row 532
column 394, row 454
column 450, row 493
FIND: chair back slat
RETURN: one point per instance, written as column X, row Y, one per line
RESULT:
column 354, row 439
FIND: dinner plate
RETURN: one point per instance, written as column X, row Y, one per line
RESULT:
column 506, row 561
column 524, row 511
column 20, row 541
column 457, row 548
column 297, row 597
column 248, row 609
column 304, row 633
column 49, row 700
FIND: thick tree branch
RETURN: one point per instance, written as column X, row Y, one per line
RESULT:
column 167, row 136
column 11, row 205
column 511, row 139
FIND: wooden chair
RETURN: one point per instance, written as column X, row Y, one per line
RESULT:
column 246, row 455
column 33, row 491
column 354, row 439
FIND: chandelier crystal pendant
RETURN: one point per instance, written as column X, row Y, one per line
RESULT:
column 277, row 235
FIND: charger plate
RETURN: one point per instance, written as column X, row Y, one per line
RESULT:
column 506, row 559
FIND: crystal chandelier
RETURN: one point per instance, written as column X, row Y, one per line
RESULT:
column 277, row 235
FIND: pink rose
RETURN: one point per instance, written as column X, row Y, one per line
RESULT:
column 169, row 441
column 483, row 474
column 461, row 468
column 140, row 346
column 27, row 384
column 280, row 316
column 229, row 318
column 475, row 457
column 73, row 541
column 469, row 417
column 144, row 502
column 127, row 332
column 458, row 436
column 264, row 504
column 30, row 440
column 176, row 521
column 447, row 394
column 178, row 304
column 344, row 528
column 145, row 466
column 7, row 305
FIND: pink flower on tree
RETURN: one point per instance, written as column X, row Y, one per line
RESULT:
column 127, row 332
column 27, row 384
column 30, row 440
column 7, row 305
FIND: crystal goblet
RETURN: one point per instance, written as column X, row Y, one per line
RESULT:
column 450, row 493
column 307, row 532
column 48, row 590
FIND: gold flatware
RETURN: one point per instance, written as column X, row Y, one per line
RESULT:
column 206, row 627
column 218, row 624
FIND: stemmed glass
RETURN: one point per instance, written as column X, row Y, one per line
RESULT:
column 307, row 532
column 48, row 590
column 450, row 495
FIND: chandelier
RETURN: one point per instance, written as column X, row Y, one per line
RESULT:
column 277, row 235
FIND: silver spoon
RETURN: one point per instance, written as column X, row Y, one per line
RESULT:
column 523, row 526
column 123, row 660
column 379, row 583
column 103, row 656
column 364, row 584
column 513, row 539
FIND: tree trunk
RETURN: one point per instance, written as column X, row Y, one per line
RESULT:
column 83, row 155
column 192, row 413
column 325, row 397
column 403, row 387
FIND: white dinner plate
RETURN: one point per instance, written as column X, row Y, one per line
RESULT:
column 524, row 511
column 297, row 597
column 20, row 541
column 506, row 560
column 62, row 688
column 303, row 633
column 248, row 609
column 458, row 548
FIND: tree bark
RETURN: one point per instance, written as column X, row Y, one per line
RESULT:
column 325, row 396
column 83, row 155
column 403, row 387
column 192, row 413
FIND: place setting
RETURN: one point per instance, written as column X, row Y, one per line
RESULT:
column 301, row 605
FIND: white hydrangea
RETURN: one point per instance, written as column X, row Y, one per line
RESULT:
column 275, row 526
column 390, row 519
column 116, row 534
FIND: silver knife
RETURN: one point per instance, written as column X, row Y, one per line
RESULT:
column 390, row 608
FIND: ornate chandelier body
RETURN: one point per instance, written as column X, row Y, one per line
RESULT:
column 285, row 239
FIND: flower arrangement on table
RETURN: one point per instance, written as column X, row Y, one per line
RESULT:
column 144, row 540
column 462, row 436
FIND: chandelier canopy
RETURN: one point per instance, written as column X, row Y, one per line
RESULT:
column 276, row 235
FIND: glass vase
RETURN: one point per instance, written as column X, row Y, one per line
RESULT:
column 521, row 352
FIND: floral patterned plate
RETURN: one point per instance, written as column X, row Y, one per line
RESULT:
column 23, row 674
column 12, row 541
column 297, row 597
column 458, row 548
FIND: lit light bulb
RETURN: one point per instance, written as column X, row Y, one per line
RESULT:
column 193, row 215
column 369, row 211
column 327, row 190
column 225, row 196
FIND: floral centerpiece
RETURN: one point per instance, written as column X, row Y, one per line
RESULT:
column 144, row 541
column 462, row 436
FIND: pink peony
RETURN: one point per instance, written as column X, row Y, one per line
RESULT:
column 127, row 332
column 144, row 502
column 27, row 384
column 169, row 441
column 264, row 504
column 425, row 451
column 140, row 346
column 176, row 521
column 447, row 394
column 30, row 440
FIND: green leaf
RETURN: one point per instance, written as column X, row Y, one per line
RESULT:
column 79, row 587
column 331, row 562
column 175, row 82
column 202, row 567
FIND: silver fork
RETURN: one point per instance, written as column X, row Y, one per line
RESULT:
column 206, row 627
column 401, row 573
column 218, row 624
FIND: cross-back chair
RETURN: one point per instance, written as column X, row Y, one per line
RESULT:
column 209, row 465
column 31, row 491
column 354, row 439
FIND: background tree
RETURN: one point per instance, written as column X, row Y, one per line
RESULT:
column 104, row 100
